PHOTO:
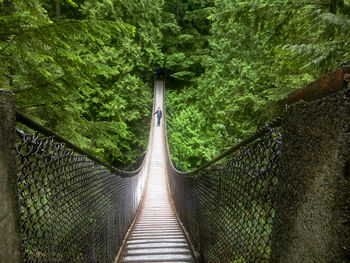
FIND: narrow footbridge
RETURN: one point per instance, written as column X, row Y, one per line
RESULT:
column 156, row 235
column 279, row 195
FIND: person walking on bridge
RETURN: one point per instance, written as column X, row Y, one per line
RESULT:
column 159, row 116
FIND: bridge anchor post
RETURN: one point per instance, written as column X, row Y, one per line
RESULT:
column 10, row 239
column 312, row 205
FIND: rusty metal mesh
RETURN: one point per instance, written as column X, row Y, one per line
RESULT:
column 228, row 208
column 72, row 209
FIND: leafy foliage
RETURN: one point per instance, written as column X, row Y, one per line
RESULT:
column 250, row 63
column 85, row 73
column 83, row 67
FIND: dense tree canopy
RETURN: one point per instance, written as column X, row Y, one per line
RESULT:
column 84, row 68
column 251, row 54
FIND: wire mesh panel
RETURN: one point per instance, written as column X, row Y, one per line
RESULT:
column 228, row 208
column 72, row 209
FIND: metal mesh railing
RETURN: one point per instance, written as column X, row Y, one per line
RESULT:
column 72, row 208
column 227, row 205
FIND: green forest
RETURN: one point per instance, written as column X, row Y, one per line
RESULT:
column 85, row 68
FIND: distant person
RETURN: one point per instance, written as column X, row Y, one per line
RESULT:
column 159, row 116
column 160, row 72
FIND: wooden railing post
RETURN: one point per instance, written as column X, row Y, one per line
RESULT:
column 10, row 240
column 312, row 205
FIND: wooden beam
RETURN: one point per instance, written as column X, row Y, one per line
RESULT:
column 330, row 83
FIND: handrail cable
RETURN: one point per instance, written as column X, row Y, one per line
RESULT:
column 136, row 160
column 24, row 119
column 258, row 133
column 261, row 131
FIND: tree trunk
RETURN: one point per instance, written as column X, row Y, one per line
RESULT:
column 333, row 6
column 177, row 22
column 58, row 9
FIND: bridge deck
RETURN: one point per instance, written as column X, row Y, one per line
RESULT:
column 156, row 235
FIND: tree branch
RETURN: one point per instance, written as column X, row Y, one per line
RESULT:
column 39, row 105
column 9, row 42
column 43, row 85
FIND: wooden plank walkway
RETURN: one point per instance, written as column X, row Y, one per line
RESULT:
column 156, row 235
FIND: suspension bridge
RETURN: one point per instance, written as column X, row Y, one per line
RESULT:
column 280, row 195
column 156, row 235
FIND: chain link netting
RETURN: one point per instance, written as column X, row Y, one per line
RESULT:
column 72, row 209
column 228, row 208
